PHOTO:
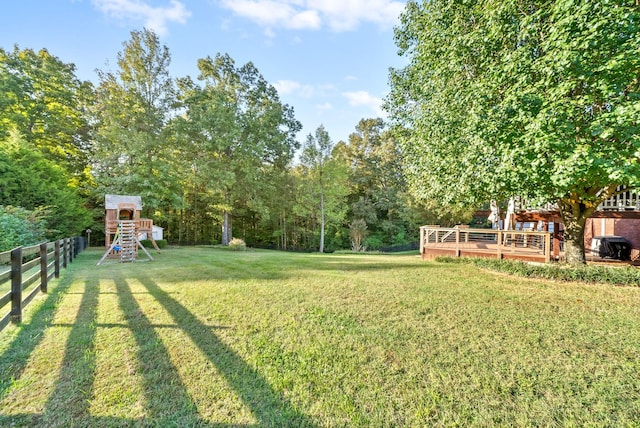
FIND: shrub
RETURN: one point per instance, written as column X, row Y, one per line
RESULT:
column 237, row 244
column 162, row 243
column 373, row 243
column 20, row 227
column 614, row 275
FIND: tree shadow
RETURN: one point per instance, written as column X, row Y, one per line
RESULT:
column 161, row 379
column 13, row 360
column 71, row 396
column 167, row 401
column 268, row 406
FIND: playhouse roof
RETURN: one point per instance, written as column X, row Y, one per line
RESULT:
column 111, row 201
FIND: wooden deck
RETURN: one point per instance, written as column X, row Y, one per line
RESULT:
column 466, row 242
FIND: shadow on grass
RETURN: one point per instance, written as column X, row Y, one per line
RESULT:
column 71, row 396
column 69, row 401
column 166, row 399
column 14, row 359
column 268, row 406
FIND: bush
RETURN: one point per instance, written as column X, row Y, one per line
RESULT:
column 373, row 243
column 237, row 244
column 162, row 243
column 614, row 275
column 20, row 227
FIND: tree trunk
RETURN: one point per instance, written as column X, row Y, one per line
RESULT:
column 181, row 226
column 322, row 222
column 574, row 216
column 227, row 233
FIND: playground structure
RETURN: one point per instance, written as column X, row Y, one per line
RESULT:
column 123, row 226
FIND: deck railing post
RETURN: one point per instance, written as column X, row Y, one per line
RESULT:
column 457, row 242
column 499, row 246
column 547, row 247
column 16, row 285
column 43, row 267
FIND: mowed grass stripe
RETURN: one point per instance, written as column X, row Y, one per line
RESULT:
column 263, row 338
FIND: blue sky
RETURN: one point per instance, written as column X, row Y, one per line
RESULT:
column 329, row 59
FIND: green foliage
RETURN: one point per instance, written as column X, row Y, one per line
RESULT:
column 161, row 243
column 33, row 182
column 132, row 153
column 323, row 177
column 537, row 99
column 594, row 274
column 42, row 99
column 20, row 227
column 377, row 187
column 373, row 242
column 238, row 138
column 237, row 244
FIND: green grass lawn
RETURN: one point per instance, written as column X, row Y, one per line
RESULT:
column 208, row 337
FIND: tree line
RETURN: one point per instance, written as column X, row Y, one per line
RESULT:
column 213, row 158
column 498, row 99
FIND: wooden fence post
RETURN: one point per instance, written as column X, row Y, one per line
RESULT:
column 43, row 267
column 65, row 252
column 16, row 285
column 56, row 256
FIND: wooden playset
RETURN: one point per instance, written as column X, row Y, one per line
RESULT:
column 123, row 226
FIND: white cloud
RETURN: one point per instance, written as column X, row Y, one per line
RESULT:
column 286, row 86
column 325, row 106
column 291, row 87
column 337, row 15
column 363, row 98
column 155, row 18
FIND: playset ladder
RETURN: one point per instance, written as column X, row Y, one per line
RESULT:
column 127, row 240
column 126, row 243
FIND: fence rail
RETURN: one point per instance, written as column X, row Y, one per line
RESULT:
column 502, row 244
column 23, row 267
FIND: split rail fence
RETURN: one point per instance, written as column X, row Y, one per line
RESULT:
column 502, row 244
column 23, row 267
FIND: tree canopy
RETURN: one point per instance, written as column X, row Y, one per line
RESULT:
column 42, row 99
column 204, row 153
column 538, row 99
column 131, row 152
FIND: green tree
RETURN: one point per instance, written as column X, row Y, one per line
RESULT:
column 325, row 179
column 240, row 137
column 41, row 98
column 20, row 227
column 31, row 181
column 532, row 98
column 377, row 187
column 132, row 152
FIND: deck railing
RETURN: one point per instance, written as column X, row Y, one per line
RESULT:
column 463, row 241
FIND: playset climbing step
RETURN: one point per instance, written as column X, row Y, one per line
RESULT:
column 126, row 243
column 128, row 248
